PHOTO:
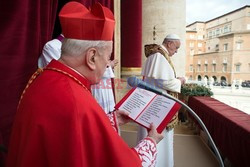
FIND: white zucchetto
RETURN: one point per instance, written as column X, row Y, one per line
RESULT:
column 172, row 37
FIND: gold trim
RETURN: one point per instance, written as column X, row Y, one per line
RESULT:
column 131, row 69
column 32, row 78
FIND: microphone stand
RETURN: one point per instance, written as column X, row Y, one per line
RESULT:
column 200, row 123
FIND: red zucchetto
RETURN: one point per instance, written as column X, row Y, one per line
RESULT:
column 78, row 22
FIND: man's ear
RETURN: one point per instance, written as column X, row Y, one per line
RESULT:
column 91, row 58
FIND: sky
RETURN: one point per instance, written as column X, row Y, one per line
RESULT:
column 204, row 10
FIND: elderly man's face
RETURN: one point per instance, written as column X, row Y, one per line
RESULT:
column 103, row 61
column 173, row 47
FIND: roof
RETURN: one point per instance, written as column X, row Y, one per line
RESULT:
column 195, row 23
column 246, row 6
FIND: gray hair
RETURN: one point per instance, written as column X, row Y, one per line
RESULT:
column 76, row 47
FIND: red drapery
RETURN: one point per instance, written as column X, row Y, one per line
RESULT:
column 131, row 36
column 229, row 128
column 26, row 26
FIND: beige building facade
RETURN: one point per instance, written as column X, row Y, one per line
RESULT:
column 195, row 44
column 224, row 52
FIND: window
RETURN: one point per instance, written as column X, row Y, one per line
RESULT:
column 248, row 26
column 238, row 46
column 200, row 37
column 199, row 45
column 199, row 78
column 217, row 32
column 191, row 52
column 206, row 67
column 210, row 34
column 191, row 36
column 214, row 68
column 226, row 29
column 237, row 68
column 191, row 68
column 213, row 33
column 224, row 67
column 199, row 68
column 191, row 44
column 224, row 60
column 225, row 47
column 217, row 47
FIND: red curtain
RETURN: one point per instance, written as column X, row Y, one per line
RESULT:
column 131, row 33
column 26, row 25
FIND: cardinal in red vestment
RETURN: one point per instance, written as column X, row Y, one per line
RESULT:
column 58, row 122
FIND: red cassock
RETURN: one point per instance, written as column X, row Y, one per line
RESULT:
column 59, row 124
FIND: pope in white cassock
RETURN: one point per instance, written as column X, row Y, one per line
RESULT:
column 159, row 71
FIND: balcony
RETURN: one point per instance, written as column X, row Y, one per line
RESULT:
column 185, row 139
column 229, row 128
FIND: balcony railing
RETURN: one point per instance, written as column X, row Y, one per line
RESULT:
column 229, row 128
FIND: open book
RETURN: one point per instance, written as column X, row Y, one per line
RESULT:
column 145, row 107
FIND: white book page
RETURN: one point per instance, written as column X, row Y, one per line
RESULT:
column 156, row 112
column 137, row 101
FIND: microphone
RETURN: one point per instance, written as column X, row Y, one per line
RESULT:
column 135, row 82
